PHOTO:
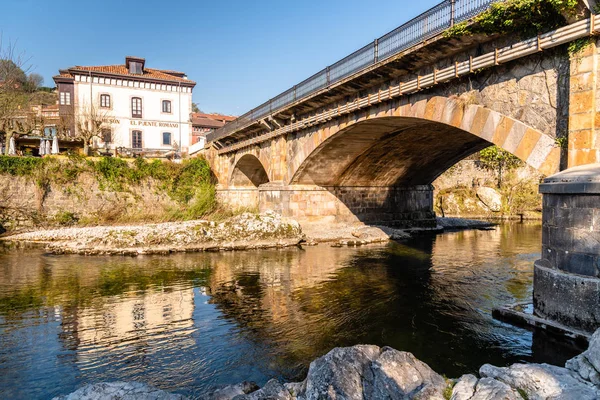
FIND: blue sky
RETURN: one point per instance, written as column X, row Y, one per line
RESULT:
column 240, row 53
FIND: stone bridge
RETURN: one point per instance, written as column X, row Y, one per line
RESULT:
column 365, row 138
column 368, row 144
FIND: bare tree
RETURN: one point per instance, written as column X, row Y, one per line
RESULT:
column 34, row 82
column 90, row 121
column 15, row 114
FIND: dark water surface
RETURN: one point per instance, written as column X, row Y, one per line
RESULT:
column 188, row 322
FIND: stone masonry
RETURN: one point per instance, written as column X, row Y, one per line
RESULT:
column 567, row 278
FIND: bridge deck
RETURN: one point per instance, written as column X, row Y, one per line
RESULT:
column 411, row 34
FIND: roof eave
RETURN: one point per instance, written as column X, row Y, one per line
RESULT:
column 141, row 77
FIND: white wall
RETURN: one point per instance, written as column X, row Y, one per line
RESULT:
column 153, row 122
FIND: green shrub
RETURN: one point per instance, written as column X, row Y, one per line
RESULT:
column 524, row 17
column 20, row 166
column 66, row 218
column 189, row 183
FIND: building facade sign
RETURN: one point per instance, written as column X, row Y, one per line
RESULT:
column 142, row 108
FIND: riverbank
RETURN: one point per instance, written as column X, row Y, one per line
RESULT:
column 372, row 372
column 243, row 232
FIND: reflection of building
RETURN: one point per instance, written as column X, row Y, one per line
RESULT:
column 203, row 124
column 144, row 109
column 152, row 312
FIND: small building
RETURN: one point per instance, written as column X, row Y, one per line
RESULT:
column 203, row 124
column 144, row 110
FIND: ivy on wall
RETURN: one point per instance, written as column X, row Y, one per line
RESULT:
column 524, row 17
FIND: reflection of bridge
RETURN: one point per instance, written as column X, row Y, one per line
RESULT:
column 365, row 137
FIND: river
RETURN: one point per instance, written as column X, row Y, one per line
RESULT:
column 189, row 322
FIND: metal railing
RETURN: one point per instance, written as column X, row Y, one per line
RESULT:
column 415, row 31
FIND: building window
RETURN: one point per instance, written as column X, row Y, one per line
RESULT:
column 136, row 139
column 136, row 107
column 106, row 135
column 65, row 98
column 166, row 138
column 135, row 68
column 105, row 100
column 166, row 106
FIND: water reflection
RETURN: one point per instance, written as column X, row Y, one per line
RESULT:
column 187, row 322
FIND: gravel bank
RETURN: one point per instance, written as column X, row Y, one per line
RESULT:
column 246, row 231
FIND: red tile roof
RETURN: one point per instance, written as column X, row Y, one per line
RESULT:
column 217, row 117
column 63, row 74
column 206, row 122
column 149, row 73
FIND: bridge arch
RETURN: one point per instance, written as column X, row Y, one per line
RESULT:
column 426, row 137
column 248, row 171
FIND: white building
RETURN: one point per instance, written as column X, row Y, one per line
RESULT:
column 144, row 109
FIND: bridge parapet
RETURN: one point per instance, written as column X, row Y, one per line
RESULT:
column 416, row 31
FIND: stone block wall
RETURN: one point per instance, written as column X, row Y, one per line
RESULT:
column 392, row 206
column 238, row 198
column 571, row 229
column 584, row 108
column 566, row 279
column 23, row 204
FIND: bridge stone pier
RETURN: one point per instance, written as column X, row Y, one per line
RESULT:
column 364, row 139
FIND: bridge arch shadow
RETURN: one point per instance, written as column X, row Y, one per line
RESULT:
column 380, row 166
column 414, row 144
column 248, row 172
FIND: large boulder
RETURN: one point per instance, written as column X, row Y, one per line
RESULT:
column 464, row 388
column 369, row 372
column 399, row 375
column 490, row 198
column 587, row 364
column 542, row 381
column 491, row 389
column 273, row 390
column 120, row 391
column 230, row 391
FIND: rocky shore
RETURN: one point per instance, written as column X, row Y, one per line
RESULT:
column 243, row 232
column 366, row 372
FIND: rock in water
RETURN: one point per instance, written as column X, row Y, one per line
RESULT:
column 120, row 391
column 490, row 198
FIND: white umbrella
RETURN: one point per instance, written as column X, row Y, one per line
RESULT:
column 47, row 147
column 11, row 147
column 55, row 145
column 42, row 147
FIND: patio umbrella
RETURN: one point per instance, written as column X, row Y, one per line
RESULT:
column 11, row 147
column 55, row 145
column 48, row 147
column 42, row 147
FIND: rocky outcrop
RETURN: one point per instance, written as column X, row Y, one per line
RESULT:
column 490, row 198
column 370, row 372
column 244, row 231
column 231, row 391
column 121, row 391
column 366, row 372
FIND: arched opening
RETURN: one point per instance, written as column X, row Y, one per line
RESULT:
column 248, row 172
column 379, row 170
column 394, row 151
